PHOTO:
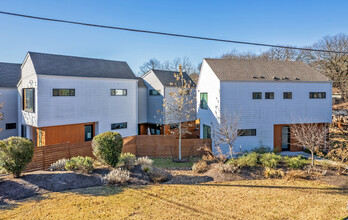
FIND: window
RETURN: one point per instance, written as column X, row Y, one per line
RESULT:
column 206, row 131
column 154, row 92
column 317, row 95
column 63, row 92
column 174, row 126
column 23, row 131
column 287, row 95
column 184, row 92
column 88, row 132
column 257, row 95
column 10, row 126
column 247, row 132
column 204, row 100
column 28, row 100
column 118, row 92
column 118, row 125
column 269, row 95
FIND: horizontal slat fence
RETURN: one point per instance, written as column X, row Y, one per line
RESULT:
column 140, row 145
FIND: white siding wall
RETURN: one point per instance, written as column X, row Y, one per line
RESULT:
column 8, row 96
column 92, row 103
column 142, row 104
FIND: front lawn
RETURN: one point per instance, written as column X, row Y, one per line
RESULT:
column 250, row 199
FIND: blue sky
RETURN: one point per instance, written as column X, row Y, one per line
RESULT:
column 297, row 23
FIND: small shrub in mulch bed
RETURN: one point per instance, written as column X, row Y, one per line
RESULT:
column 200, row 167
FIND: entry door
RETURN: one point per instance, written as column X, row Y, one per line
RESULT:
column 88, row 132
column 285, row 138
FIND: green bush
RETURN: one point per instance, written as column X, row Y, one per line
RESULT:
column 127, row 160
column 82, row 164
column 15, row 154
column 270, row 160
column 295, row 162
column 247, row 160
column 261, row 150
column 107, row 147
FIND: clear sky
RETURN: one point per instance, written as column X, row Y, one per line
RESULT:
column 296, row 23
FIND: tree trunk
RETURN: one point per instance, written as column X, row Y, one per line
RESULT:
column 180, row 141
column 312, row 152
column 231, row 150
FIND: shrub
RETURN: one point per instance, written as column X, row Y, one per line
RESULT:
column 297, row 174
column 270, row 160
column 117, row 177
column 107, row 147
column 248, row 159
column 200, row 167
column 158, row 175
column 82, row 164
column 295, row 162
column 228, row 167
column 144, row 161
column 59, row 165
column 146, row 168
column 261, row 150
column 272, row 173
column 15, row 154
column 127, row 160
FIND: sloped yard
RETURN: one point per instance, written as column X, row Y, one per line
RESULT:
column 254, row 199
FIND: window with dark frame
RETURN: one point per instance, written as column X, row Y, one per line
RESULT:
column 257, row 95
column 247, row 132
column 118, row 92
column 28, row 100
column 115, row 126
column 63, row 92
column 173, row 126
column 287, row 95
column 317, row 95
column 269, row 95
column 204, row 100
column 11, row 126
column 154, row 92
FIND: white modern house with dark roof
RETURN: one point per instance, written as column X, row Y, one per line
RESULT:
column 10, row 74
column 71, row 99
column 267, row 96
column 159, row 86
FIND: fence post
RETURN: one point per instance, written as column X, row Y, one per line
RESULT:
column 43, row 158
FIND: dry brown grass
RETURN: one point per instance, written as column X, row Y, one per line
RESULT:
column 257, row 199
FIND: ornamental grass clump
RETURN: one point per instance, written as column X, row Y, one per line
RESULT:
column 144, row 161
column 126, row 160
column 80, row 164
column 107, row 147
column 273, row 173
column 59, row 165
column 200, row 167
column 117, row 177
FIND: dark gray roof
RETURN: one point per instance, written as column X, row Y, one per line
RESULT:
column 59, row 65
column 10, row 74
column 141, row 82
column 167, row 77
column 263, row 70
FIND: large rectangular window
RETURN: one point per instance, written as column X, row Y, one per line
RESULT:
column 154, row 92
column 317, row 95
column 247, row 132
column 118, row 92
column 118, row 125
column 269, row 95
column 63, row 92
column 28, row 100
column 257, row 95
column 204, row 100
column 287, row 95
column 10, row 126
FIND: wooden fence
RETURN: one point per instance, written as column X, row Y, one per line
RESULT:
column 140, row 145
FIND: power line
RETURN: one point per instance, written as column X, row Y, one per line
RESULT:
column 171, row 34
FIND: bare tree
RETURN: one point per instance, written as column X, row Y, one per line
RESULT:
column 150, row 65
column 282, row 54
column 310, row 136
column 180, row 107
column 1, row 114
column 235, row 55
column 226, row 131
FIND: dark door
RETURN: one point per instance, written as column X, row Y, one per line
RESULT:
column 285, row 138
column 88, row 132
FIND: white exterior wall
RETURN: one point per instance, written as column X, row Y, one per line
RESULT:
column 142, row 104
column 92, row 103
column 8, row 96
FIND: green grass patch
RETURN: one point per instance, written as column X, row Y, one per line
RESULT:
column 167, row 162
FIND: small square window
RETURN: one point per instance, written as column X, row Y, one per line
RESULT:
column 257, row 95
column 287, row 95
column 269, row 95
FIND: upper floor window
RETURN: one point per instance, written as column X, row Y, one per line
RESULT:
column 317, row 95
column 269, row 95
column 118, row 92
column 10, row 126
column 154, row 92
column 287, row 95
column 204, row 100
column 63, row 92
column 247, row 132
column 118, row 125
column 257, row 95
column 28, row 100
column 184, row 92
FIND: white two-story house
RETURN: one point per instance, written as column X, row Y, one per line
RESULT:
column 159, row 85
column 266, row 96
column 10, row 74
column 71, row 99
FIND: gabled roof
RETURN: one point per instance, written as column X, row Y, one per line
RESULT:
column 60, row 65
column 167, row 77
column 264, row 70
column 141, row 82
column 10, row 74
